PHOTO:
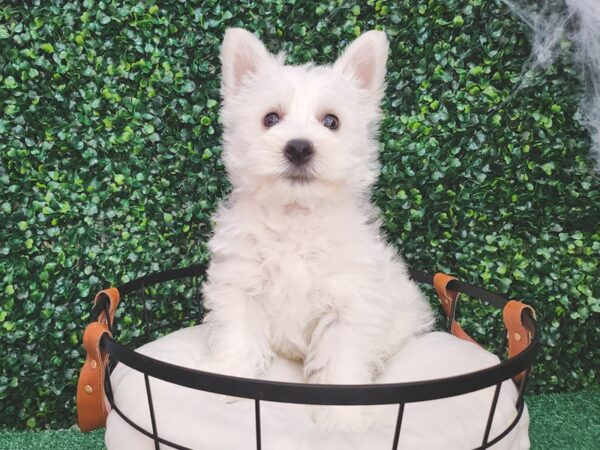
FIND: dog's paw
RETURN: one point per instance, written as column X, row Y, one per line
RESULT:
column 345, row 418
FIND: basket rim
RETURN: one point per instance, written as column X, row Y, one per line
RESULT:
column 323, row 394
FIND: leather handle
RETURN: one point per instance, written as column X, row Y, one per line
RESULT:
column 519, row 334
column 448, row 298
column 113, row 296
column 92, row 406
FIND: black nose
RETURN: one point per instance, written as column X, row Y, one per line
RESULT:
column 298, row 151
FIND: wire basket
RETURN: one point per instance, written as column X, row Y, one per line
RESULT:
column 95, row 396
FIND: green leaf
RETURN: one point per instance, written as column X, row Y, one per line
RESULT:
column 548, row 168
column 10, row 83
column 47, row 47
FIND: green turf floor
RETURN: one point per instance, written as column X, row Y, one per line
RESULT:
column 558, row 421
column 565, row 421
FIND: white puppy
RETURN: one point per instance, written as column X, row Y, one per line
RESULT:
column 299, row 268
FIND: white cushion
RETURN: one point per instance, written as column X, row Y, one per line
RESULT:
column 199, row 420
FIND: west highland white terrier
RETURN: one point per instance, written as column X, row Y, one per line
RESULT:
column 299, row 268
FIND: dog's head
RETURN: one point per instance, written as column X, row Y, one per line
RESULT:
column 301, row 133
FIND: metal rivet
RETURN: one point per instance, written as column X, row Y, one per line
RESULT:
column 93, row 363
column 88, row 389
column 517, row 337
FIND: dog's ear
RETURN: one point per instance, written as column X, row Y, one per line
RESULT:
column 364, row 60
column 242, row 55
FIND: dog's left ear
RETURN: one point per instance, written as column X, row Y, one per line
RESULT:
column 364, row 60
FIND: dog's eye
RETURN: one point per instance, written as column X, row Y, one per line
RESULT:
column 271, row 119
column 331, row 122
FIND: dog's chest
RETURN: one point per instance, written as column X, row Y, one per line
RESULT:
column 292, row 261
column 295, row 260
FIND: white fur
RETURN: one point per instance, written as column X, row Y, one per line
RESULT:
column 299, row 269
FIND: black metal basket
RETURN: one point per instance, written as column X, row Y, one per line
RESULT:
column 516, row 367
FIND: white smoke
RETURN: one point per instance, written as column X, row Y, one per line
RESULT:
column 554, row 22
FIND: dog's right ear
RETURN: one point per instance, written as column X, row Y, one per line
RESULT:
column 242, row 56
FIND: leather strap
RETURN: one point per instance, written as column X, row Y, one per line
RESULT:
column 448, row 298
column 114, row 296
column 518, row 333
column 92, row 406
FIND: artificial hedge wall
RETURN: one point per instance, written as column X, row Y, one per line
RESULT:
column 110, row 169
